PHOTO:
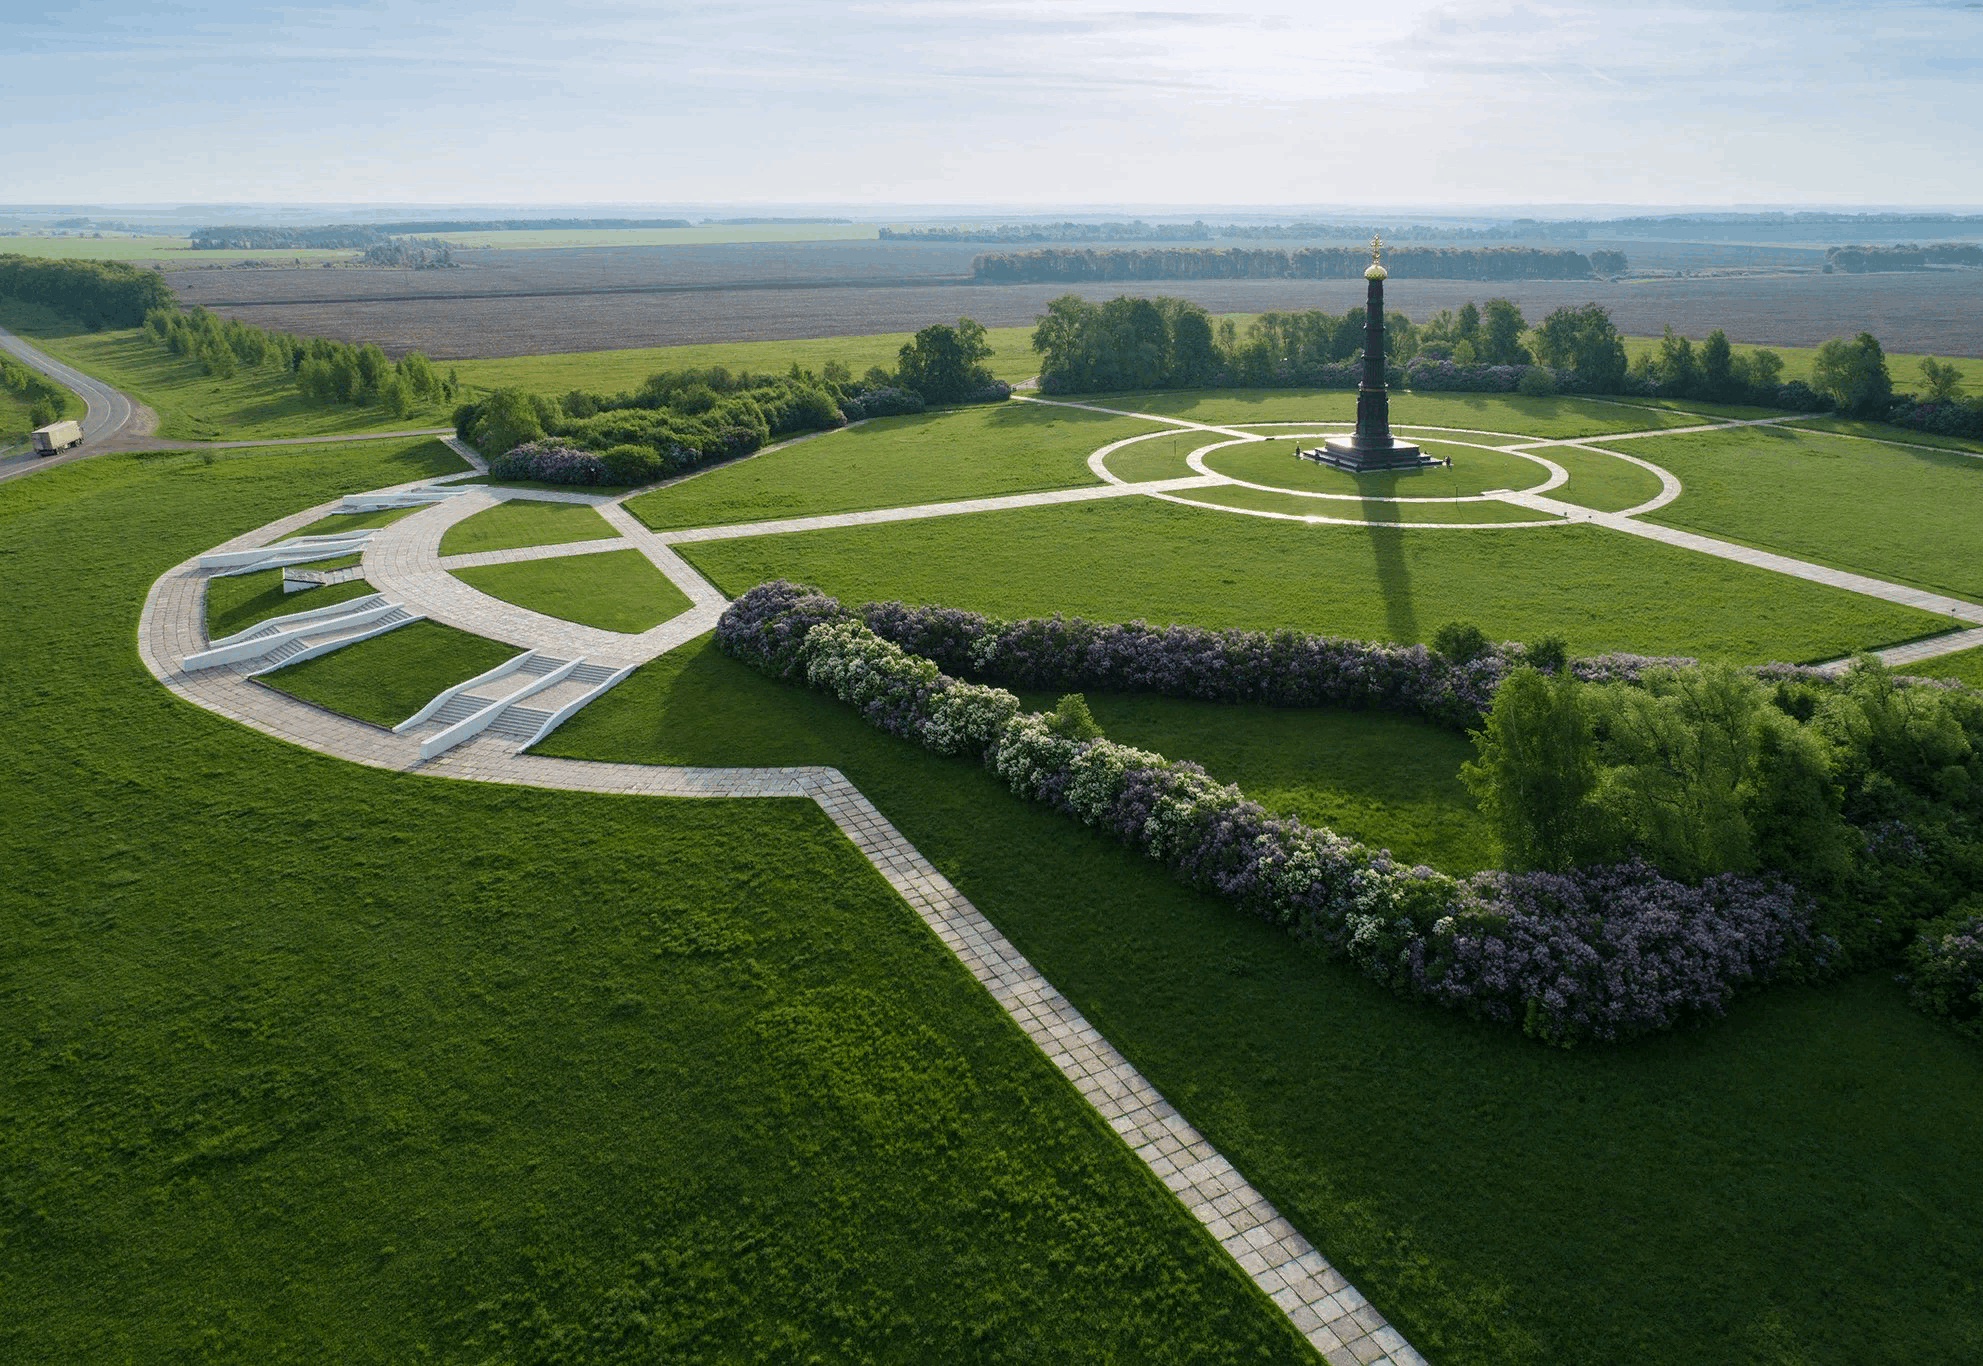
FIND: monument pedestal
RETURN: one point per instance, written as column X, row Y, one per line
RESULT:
column 1359, row 455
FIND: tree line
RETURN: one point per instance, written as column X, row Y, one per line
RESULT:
column 97, row 293
column 679, row 419
column 323, row 370
column 1163, row 342
column 254, row 237
column 1269, row 263
column 1907, row 256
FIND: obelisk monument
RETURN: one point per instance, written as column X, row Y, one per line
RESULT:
column 1373, row 447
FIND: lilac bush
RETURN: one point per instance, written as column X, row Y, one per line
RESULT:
column 551, row 462
column 1601, row 954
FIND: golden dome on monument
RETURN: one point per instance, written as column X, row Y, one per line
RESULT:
column 1376, row 272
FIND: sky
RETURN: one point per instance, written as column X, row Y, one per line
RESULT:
column 1014, row 102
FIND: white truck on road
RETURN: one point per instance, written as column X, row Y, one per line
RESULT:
column 57, row 436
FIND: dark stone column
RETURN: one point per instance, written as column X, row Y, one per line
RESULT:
column 1373, row 400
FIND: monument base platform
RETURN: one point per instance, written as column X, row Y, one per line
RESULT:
column 1355, row 457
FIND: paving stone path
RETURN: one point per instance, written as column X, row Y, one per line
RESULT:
column 1323, row 1306
column 403, row 561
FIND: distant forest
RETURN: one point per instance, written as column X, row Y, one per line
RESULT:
column 1907, row 256
column 1307, row 263
column 331, row 235
column 1139, row 231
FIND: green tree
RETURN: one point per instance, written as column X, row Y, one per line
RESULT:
column 1586, row 341
column 505, row 420
column 1501, row 331
column 1717, row 367
column 1854, row 374
column 1534, row 770
column 1940, row 380
column 944, row 363
column 1677, row 368
column 1466, row 327
column 1765, row 369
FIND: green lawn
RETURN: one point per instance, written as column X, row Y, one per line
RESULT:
column 313, row 1062
column 1473, row 471
column 1966, row 665
column 1880, row 431
column 975, row 452
column 354, row 521
column 1375, row 510
column 1792, row 1184
column 526, row 521
column 196, row 407
column 1603, row 482
column 615, row 590
column 1880, row 510
column 386, row 679
column 239, row 601
column 611, row 372
column 1140, row 557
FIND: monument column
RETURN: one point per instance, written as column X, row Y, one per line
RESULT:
column 1373, row 447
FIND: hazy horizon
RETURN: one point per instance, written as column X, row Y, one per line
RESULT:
column 980, row 105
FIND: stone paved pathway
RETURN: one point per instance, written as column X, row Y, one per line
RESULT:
column 1322, row 1305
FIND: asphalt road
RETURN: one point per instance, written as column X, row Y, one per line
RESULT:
column 109, row 411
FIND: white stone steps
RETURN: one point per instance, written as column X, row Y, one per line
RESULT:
column 325, row 627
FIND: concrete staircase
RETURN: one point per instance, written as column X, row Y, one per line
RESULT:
column 298, row 636
column 493, row 701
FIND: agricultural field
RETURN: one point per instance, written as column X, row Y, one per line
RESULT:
column 1136, row 558
column 513, row 303
column 173, row 253
column 1892, row 512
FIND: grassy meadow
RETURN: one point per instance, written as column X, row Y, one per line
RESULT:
column 191, row 406
column 1131, row 557
column 386, row 679
column 1887, row 511
column 1791, row 1183
column 973, row 452
column 518, row 522
column 615, row 590
column 316, row 1062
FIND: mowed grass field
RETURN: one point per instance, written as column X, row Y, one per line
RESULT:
column 518, row 522
column 972, row 452
column 1793, row 1183
column 614, row 590
column 1132, row 557
column 388, row 678
column 1888, row 511
column 612, row 372
column 252, row 404
column 312, row 1062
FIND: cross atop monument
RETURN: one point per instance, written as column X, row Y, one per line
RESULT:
column 1376, row 246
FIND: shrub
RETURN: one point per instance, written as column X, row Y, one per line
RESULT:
column 630, row 464
column 1460, row 642
column 1536, row 382
column 1549, row 655
column 1600, row 954
column 551, row 463
column 41, row 412
column 1945, row 969
column 887, row 401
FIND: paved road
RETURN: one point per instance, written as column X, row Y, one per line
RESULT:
column 109, row 411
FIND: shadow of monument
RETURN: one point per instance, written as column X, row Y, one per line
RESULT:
column 1387, row 550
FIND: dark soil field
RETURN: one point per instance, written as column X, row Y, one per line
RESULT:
column 513, row 303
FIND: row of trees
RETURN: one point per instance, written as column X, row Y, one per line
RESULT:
column 324, row 370
column 98, row 293
column 678, row 419
column 44, row 398
column 1907, row 256
column 1306, row 263
column 1163, row 342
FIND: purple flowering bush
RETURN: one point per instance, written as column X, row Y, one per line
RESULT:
column 1600, row 954
column 551, row 462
